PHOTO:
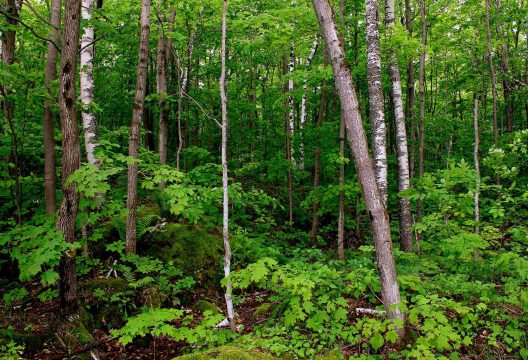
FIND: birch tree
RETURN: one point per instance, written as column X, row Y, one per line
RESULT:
column 401, row 137
column 376, row 102
column 87, row 84
column 359, row 146
column 135, row 127
column 225, row 180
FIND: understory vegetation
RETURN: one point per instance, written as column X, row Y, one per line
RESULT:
column 157, row 289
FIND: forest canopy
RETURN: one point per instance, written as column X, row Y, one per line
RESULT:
column 279, row 179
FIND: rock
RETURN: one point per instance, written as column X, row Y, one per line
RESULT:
column 110, row 286
column 228, row 353
column 193, row 249
column 204, row 305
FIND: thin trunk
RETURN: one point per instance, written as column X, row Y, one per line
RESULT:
column 359, row 146
column 476, row 161
column 421, row 132
column 180, row 136
column 50, row 166
column 317, row 166
column 135, row 127
column 401, row 138
column 225, row 232
column 162, row 79
column 341, row 218
column 376, row 102
column 71, row 152
column 409, row 99
column 302, row 119
column 506, row 85
column 492, row 75
column 289, row 175
column 87, row 84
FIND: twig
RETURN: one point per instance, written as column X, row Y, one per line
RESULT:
column 41, row 18
column 92, row 42
column 29, row 28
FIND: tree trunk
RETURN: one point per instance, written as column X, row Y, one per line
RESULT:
column 506, row 84
column 376, row 102
column 289, row 158
column 302, row 119
column 492, row 75
column 421, row 131
column 71, row 152
column 87, row 84
column 225, row 232
column 409, row 99
column 135, row 127
column 476, row 161
column 401, row 138
column 359, row 147
column 317, row 166
column 162, row 79
column 50, row 167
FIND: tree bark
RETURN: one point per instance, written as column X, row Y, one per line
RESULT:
column 225, row 180
column 409, row 99
column 476, row 161
column 359, row 146
column 421, row 131
column 135, row 127
column 162, row 79
column 492, row 75
column 50, row 165
column 376, row 102
column 401, row 138
column 505, row 64
column 87, row 85
column 71, row 152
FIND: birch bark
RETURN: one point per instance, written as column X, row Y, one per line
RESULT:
column 401, row 137
column 359, row 146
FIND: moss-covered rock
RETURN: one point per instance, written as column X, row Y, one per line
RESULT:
column 228, row 353
column 32, row 343
column 193, row 249
column 153, row 297
column 110, row 286
column 204, row 305
column 103, row 312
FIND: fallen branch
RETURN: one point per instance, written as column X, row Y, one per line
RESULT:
column 370, row 311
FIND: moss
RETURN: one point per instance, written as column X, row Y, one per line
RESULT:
column 110, row 286
column 228, row 353
column 204, row 305
column 193, row 249
column 262, row 309
column 153, row 297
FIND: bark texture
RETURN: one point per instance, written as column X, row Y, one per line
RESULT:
column 376, row 102
column 135, row 127
column 359, row 146
column 476, row 161
column 225, row 180
column 421, row 131
column 71, row 151
column 87, row 84
column 401, row 138
column 50, row 162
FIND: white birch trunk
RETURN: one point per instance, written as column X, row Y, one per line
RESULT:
column 87, row 84
column 359, row 146
column 291, row 115
column 476, row 161
column 225, row 231
column 401, row 137
column 376, row 102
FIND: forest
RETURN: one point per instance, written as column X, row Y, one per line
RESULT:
column 264, row 179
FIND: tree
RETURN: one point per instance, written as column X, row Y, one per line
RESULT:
column 50, row 171
column 376, row 102
column 135, row 127
column 359, row 146
column 87, row 84
column 421, row 87
column 493, row 77
column 401, row 137
column 225, row 180
column 71, row 151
